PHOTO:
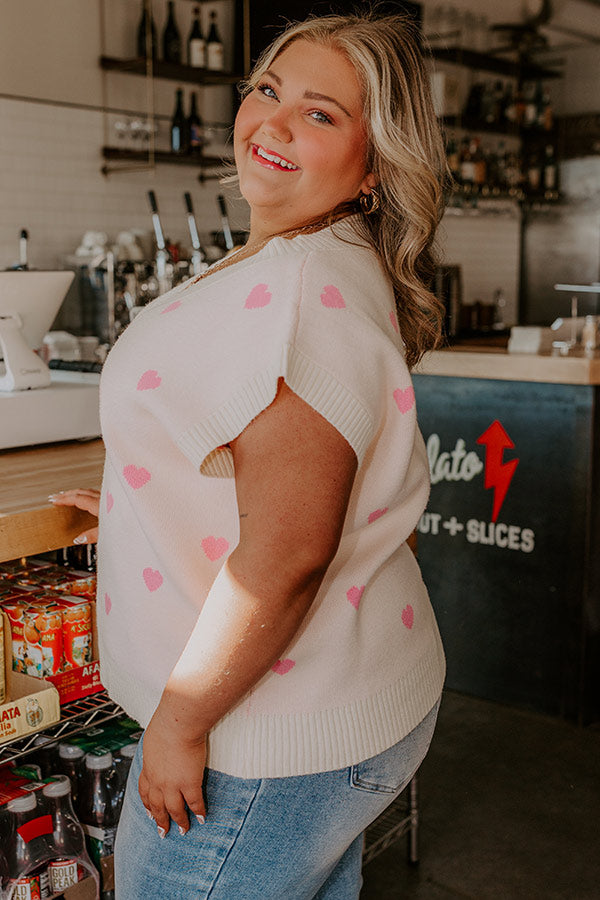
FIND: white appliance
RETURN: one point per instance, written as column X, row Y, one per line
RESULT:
column 36, row 405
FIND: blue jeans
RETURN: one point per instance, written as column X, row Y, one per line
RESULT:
column 266, row 838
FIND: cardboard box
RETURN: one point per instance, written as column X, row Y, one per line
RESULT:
column 31, row 703
column 71, row 685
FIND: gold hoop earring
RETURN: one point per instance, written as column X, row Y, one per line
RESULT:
column 369, row 203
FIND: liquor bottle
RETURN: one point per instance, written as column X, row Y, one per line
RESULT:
column 546, row 113
column 214, row 46
column 467, row 173
column 195, row 128
column 534, row 173
column 146, row 33
column 97, row 809
column 123, row 761
column 24, row 848
column 178, row 125
column 171, row 40
column 196, row 43
column 478, row 163
column 550, row 173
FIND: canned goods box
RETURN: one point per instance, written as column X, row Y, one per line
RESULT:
column 30, row 704
column 54, row 638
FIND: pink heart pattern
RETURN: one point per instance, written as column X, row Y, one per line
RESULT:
column 332, row 298
column 377, row 513
column 258, row 296
column 215, row 547
column 136, row 477
column 283, row 666
column 408, row 616
column 153, row 578
column 107, row 604
column 149, row 380
column 354, row 595
column 110, row 501
column 174, row 305
column 405, row 399
column 394, row 322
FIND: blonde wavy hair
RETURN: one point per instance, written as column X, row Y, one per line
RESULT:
column 405, row 153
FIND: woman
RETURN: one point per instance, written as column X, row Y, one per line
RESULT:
column 260, row 612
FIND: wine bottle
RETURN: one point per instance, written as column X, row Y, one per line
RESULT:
column 171, row 37
column 195, row 128
column 178, row 125
column 196, row 43
column 146, row 33
column 214, row 46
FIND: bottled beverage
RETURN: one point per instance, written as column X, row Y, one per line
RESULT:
column 478, row 163
column 214, row 46
column 66, row 843
column 146, row 33
column 178, row 125
column 195, row 128
column 196, row 43
column 25, row 850
column 550, row 175
column 71, row 763
column 46, row 754
column 467, row 171
column 97, row 808
column 534, row 173
column 171, row 42
column 123, row 764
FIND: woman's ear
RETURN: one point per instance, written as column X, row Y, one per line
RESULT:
column 368, row 183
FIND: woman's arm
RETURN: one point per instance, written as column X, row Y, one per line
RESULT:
column 293, row 473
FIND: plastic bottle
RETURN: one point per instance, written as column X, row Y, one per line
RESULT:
column 123, row 765
column 45, row 755
column 66, row 844
column 97, row 809
column 71, row 763
column 24, row 875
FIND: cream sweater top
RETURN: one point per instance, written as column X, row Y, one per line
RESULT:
column 188, row 375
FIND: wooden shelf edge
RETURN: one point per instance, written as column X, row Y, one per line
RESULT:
column 168, row 71
column 487, row 62
column 117, row 154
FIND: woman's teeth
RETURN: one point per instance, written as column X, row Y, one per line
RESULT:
column 275, row 159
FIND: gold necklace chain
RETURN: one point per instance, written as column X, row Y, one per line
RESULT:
column 239, row 255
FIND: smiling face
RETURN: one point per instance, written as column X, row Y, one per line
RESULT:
column 300, row 142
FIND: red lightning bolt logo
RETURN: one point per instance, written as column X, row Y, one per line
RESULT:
column 498, row 474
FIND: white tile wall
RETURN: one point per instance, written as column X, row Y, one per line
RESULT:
column 486, row 247
column 51, row 184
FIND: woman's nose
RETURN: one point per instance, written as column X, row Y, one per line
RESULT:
column 278, row 125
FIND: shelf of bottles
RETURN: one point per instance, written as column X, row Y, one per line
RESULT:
column 198, row 60
column 517, row 157
column 76, row 717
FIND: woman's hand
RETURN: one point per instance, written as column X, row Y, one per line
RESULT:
column 88, row 500
column 172, row 774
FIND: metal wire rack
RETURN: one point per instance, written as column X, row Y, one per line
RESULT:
column 400, row 818
column 75, row 717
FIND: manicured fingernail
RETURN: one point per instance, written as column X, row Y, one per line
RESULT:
column 161, row 832
column 81, row 539
column 201, row 820
column 149, row 814
column 181, row 830
column 51, row 497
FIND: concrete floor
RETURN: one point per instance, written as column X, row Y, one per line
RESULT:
column 509, row 810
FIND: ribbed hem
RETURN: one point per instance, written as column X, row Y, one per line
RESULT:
column 279, row 746
column 203, row 442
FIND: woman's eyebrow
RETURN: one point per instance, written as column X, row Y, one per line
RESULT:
column 311, row 95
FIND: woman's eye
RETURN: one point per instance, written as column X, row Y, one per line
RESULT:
column 319, row 116
column 267, row 90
